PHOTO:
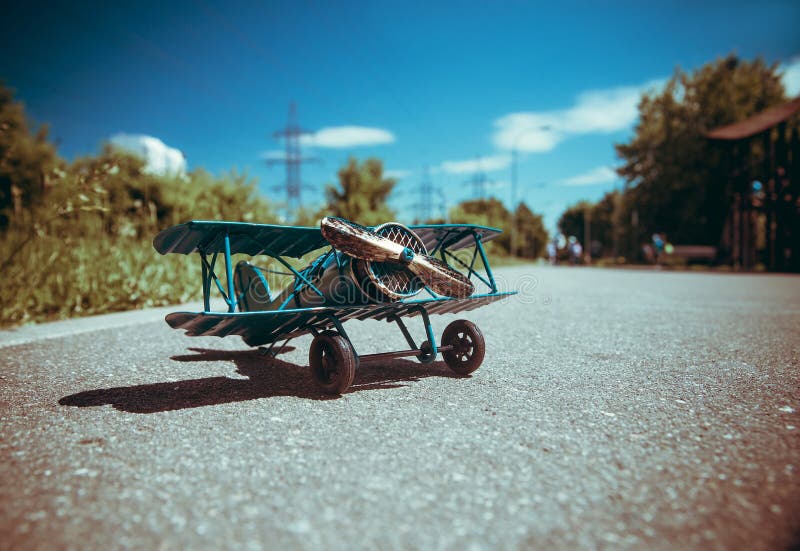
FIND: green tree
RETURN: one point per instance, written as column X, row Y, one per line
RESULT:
column 486, row 212
column 27, row 159
column 572, row 219
column 229, row 196
column 361, row 194
column 677, row 178
column 80, row 235
column 602, row 223
column 532, row 236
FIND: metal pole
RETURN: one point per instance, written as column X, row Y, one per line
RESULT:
column 514, row 201
column 514, row 169
column 206, row 284
column 485, row 261
column 587, row 233
column 229, row 274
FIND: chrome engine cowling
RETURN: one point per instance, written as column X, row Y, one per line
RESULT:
column 344, row 280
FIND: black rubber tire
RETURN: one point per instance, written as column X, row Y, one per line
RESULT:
column 336, row 333
column 469, row 347
column 333, row 362
column 426, row 355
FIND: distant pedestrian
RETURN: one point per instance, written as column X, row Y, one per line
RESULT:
column 552, row 252
column 658, row 246
column 577, row 252
column 574, row 250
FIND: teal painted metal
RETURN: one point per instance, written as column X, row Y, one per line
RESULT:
column 431, row 338
column 208, row 277
column 259, row 328
column 301, row 277
column 268, row 327
column 404, row 330
column 471, row 267
column 340, row 328
column 292, row 241
column 211, row 276
column 206, row 289
column 229, row 274
column 485, row 261
column 246, row 238
column 452, row 236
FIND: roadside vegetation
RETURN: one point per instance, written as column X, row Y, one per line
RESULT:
column 76, row 236
column 677, row 181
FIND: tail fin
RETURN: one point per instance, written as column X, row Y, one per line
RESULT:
column 251, row 288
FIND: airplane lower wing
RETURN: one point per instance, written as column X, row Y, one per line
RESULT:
column 257, row 328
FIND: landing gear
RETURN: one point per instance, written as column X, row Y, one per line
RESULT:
column 333, row 362
column 467, row 347
column 426, row 354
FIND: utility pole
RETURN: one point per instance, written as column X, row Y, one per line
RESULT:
column 293, row 159
column 426, row 191
column 513, row 205
column 587, row 233
column 478, row 182
column 514, row 176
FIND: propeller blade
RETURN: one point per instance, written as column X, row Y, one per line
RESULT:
column 360, row 242
column 440, row 277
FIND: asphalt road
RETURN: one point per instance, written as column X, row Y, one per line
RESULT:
column 615, row 408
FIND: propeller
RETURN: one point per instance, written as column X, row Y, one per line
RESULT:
column 360, row 242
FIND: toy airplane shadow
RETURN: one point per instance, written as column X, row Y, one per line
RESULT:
column 266, row 378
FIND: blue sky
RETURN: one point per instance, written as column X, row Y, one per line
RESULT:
column 451, row 86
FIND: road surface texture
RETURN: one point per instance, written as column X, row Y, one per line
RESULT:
column 615, row 409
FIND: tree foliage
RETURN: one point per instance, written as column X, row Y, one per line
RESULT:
column 677, row 177
column 532, row 236
column 27, row 159
column 361, row 193
column 486, row 212
column 601, row 223
column 491, row 212
column 79, row 238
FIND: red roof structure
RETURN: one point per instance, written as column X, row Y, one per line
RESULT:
column 757, row 123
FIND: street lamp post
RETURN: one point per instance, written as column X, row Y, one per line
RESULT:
column 514, row 200
column 514, row 170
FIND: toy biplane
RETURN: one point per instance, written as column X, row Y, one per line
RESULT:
column 361, row 273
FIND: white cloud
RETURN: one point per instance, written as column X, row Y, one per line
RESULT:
column 594, row 112
column 791, row 76
column 340, row 137
column 159, row 157
column 599, row 175
column 484, row 164
column 397, row 174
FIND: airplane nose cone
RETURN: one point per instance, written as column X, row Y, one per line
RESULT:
column 407, row 256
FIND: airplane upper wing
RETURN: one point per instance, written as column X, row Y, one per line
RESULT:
column 293, row 241
column 453, row 236
column 257, row 328
column 251, row 239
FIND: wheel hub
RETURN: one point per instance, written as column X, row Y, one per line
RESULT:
column 462, row 346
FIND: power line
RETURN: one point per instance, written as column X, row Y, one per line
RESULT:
column 426, row 195
column 479, row 181
column 293, row 159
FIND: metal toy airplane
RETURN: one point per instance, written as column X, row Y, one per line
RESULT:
column 365, row 273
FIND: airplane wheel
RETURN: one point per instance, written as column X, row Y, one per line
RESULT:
column 336, row 334
column 468, row 345
column 426, row 354
column 333, row 362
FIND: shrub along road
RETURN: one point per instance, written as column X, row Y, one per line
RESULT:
column 621, row 408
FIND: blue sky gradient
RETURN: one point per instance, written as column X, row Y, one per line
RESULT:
column 214, row 80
